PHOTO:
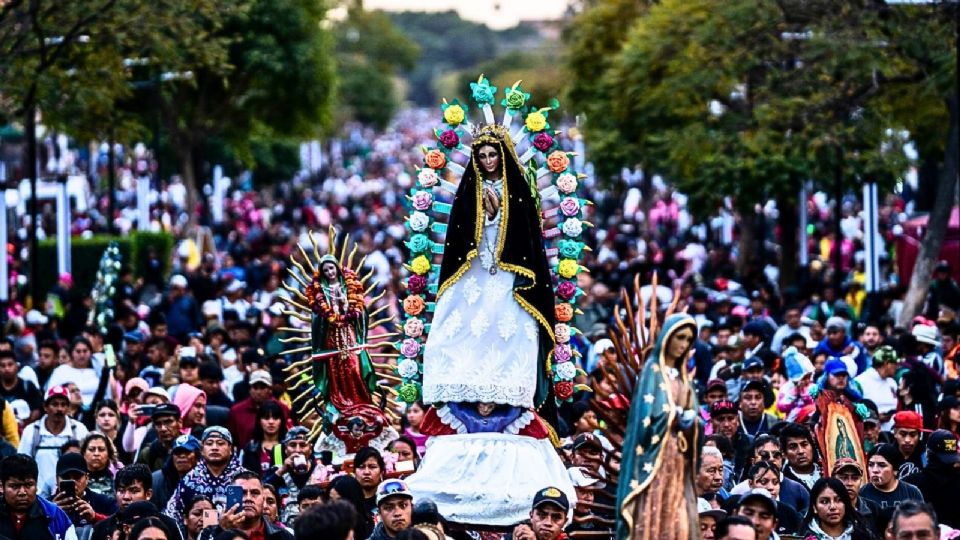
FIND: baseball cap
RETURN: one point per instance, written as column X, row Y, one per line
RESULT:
column 836, row 323
column 885, row 355
column 724, row 406
column 585, row 439
column 57, row 391
column 758, row 494
column 178, row 281
column 235, row 286
column 942, row 266
column 186, row 442
column 158, row 391
column 165, row 409
column 72, row 462
column 872, row 416
column 296, row 432
column 136, row 383
column 579, row 478
column 845, row 463
column 261, row 376
column 943, row 444
column 392, row 488
column 216, row 432
column 704, row 509
column 716, row 383
column 134, row 512
column 134, row 337
column 603, row 345
column 66, row 277
column 35, row 317
column 835, row 366
column 210, row 370
column 551, row 495
column 753, row 362
column 760, row 386
column 908, row 420
column 755, row 328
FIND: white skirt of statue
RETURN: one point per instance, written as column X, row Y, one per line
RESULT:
column 483, row 347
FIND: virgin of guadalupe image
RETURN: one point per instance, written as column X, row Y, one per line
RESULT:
column 656, row 495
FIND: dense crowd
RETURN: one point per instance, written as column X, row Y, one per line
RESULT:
column 176, row 423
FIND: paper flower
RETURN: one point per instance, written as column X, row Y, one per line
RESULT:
column 543, row 141
column 435, row 159
column 567, row 183
column 428, row 177
column 563, row 389
column 422, row 200
column 408, row 392
column 454, row 114
column 419, row 221
column 408, row 368
column 420, row 265
column 483, row 92
column 449, row 138
column 416, row 284
column 419, row 243
column 562, row 332
column 410, row 348
column 568, row 268
column 413, row 305
column 566, row 290
column 413, row 327
column 569, row 249
column 564, row 312
column 570, row 206
column 572, row 227
column 558, row 161
column 515, row 98
column 566, row 370
column 562, row 353
column 535, row 122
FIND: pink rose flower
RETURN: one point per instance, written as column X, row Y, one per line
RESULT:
column 567, row 183
column 413, row 328
column 543, row 141
column 562, row 353
column 416, row 284
column 422, row 200
column 428, row 177
column 449, row 138
column 570, row 206
column 410, row 348
column 562, row 332
column 566, row 290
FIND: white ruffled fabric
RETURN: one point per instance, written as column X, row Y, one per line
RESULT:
column 488, row 478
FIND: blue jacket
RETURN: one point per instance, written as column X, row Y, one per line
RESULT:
column 860, row 358
column 45, row 521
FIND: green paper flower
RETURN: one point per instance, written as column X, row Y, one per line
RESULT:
column 408, row 392
column 515, row 97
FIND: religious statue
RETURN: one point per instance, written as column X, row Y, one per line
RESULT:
column 656, row 495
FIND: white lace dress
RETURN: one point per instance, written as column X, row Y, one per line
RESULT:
column 482, row 345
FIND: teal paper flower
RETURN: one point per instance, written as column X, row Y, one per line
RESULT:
column 483, row 92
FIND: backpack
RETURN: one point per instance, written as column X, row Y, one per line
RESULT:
column 36, row 436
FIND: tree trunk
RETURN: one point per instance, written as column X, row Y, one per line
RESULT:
column 789, row 242
column 748, row 244
column 189, row 176
column 936, row 226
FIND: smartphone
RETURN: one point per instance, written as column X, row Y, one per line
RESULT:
column 188, row 352
column 234, row 497
column 299, row 464
column 211, row 518
column 111, row 356
column 405, row 466
column 146, row 410
column 68, row 488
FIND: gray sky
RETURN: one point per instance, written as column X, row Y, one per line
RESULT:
column 494, row 13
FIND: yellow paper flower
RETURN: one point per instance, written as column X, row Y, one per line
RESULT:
column 420, row 265
column 568, row 268
column 454, row 115
column 535, row 122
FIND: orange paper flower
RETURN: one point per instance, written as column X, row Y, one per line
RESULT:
column 413, row 305
column 564, row 312
column 557, row 162
column 435, row 159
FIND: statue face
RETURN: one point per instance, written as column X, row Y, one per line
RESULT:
column 489, row 158
column 679, row 343
column 485, row 408
column 329, row 271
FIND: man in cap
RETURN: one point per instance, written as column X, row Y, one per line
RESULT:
column 83, row 506
column 249, row 517
column 42, row 439
column 243, row 415
column 395, row 505
column 871, row 427
column 725, row 420
column 709, row 517
column 839, row 345
column 294, row 474
column 167, row 424
column 908, row 435
column 587, row 452
column 134, row 491
column 213, row 473
column 183, row 458
column 715, row 391
column 211, row 382
column 585, row 484
column 758, row 506
column 878, row 382
column 753, row 400
column 849, row 472
column 181, row 309
column 885, row 489
column 928, row 348
column 132, row 354
column 938, row 480
column 548, row 515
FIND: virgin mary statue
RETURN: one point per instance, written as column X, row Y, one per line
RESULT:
column 655, row 495
column 485, row 369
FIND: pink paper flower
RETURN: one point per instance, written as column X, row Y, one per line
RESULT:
column 410, row 348
column 566, row 290
column 449, row 138
column 422, row 200
column 416, row 284
column 543, row 141
column 413, row 328
column 570, row 206
column 562, row 332
column 562, row 353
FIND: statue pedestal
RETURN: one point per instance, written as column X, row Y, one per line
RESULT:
column 488, row 478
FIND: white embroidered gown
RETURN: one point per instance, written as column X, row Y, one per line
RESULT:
column 482, row 345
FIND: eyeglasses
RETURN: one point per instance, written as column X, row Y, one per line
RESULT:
column 765, row 455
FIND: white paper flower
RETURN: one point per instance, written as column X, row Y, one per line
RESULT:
column 419, row 221
column 428, row 177
column 572, row 227
column 408, row 368
column 567, row 183
column 566, row 370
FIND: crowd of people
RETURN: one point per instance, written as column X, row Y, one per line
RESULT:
column 176, row 422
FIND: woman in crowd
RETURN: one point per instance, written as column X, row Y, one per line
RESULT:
column 831, row 515
column 766, row 475
column 78, row 371
column 368, row 470
column 151, row 528
column 264, row 453
column 192, row 403
column 139, row 420
column 194, row 516
column 949, row 408
column 406, row 450
column 271, row 504
column 348, row 489
column 108, row 422
column 414, row 418
column 102, row 462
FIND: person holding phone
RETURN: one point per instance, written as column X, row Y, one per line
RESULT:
column 246, row 515
column 83, row 506
column 294, row 474
column 23, row 514
column 134, row 489
column 214, row 472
